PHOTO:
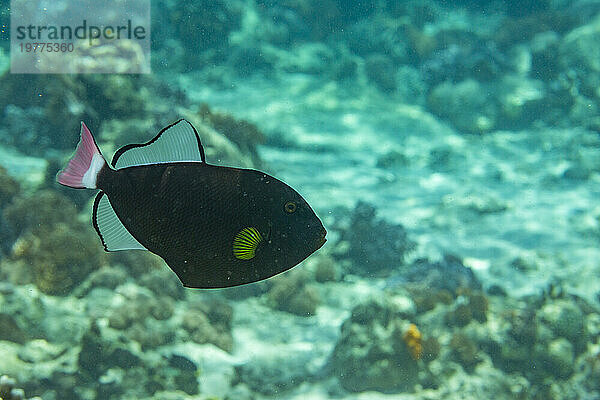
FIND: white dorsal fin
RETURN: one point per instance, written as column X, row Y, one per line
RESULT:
column 112, row 232
column 175, row 143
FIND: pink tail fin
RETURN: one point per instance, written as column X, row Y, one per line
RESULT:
column 83, row 167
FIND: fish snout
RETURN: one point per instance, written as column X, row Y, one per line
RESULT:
column 322, row 236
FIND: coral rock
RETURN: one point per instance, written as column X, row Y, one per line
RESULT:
column 372, row 354
column 291, row 293
column 374, row 244
column 465, row 350
column 210, row 323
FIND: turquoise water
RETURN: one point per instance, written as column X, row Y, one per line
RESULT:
column 451, row 149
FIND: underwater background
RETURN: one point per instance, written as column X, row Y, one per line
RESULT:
column 451, row 148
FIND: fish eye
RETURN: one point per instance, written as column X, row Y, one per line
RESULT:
column 290, row 207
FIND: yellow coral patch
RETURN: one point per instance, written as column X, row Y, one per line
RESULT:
column 413, row 339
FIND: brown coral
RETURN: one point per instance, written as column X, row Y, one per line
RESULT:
column 325, row 269
column 465, row 351
column 431, row 349
column 291, row 293
column 244, row 134
column 43, row 208
column 53, row 249
column 210, row 323
column 60, row 256
column 474, row 306
column 426, row 301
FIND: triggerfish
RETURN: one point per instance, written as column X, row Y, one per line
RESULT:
column 214, row 226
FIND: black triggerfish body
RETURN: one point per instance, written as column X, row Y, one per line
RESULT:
column 214, row 226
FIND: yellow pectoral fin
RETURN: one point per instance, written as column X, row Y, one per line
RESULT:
column 246, row 242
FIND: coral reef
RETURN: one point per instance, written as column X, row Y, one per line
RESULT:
column 108, row 277
column 119, row 108
column 378, row 350
column 472, row 306
column 9, row 391
column 57, row 269
column 36, row 122
column 162, row 282
column 43, row 242
column 97, row 354
column 119, row 96
column 359, row 99
column 138, row 316
column 325, row 269
column 51, row 208
column 116, row 368
column 37, row 316
column 293, row 293
column 448, row 275
column 480, row 83
column 372, row 245
column 209, row 323
column 464, row 350
column 544, row 338
column 466, row 104
column 427, row 300
column 243, row 133
column 566, row 319
column 430, row 348
column 540, row 338
column 271, row 374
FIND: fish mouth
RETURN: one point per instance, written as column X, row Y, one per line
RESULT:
column 322, row 238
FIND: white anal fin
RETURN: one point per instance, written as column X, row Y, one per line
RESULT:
column 178, row 142
column 113, row 233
